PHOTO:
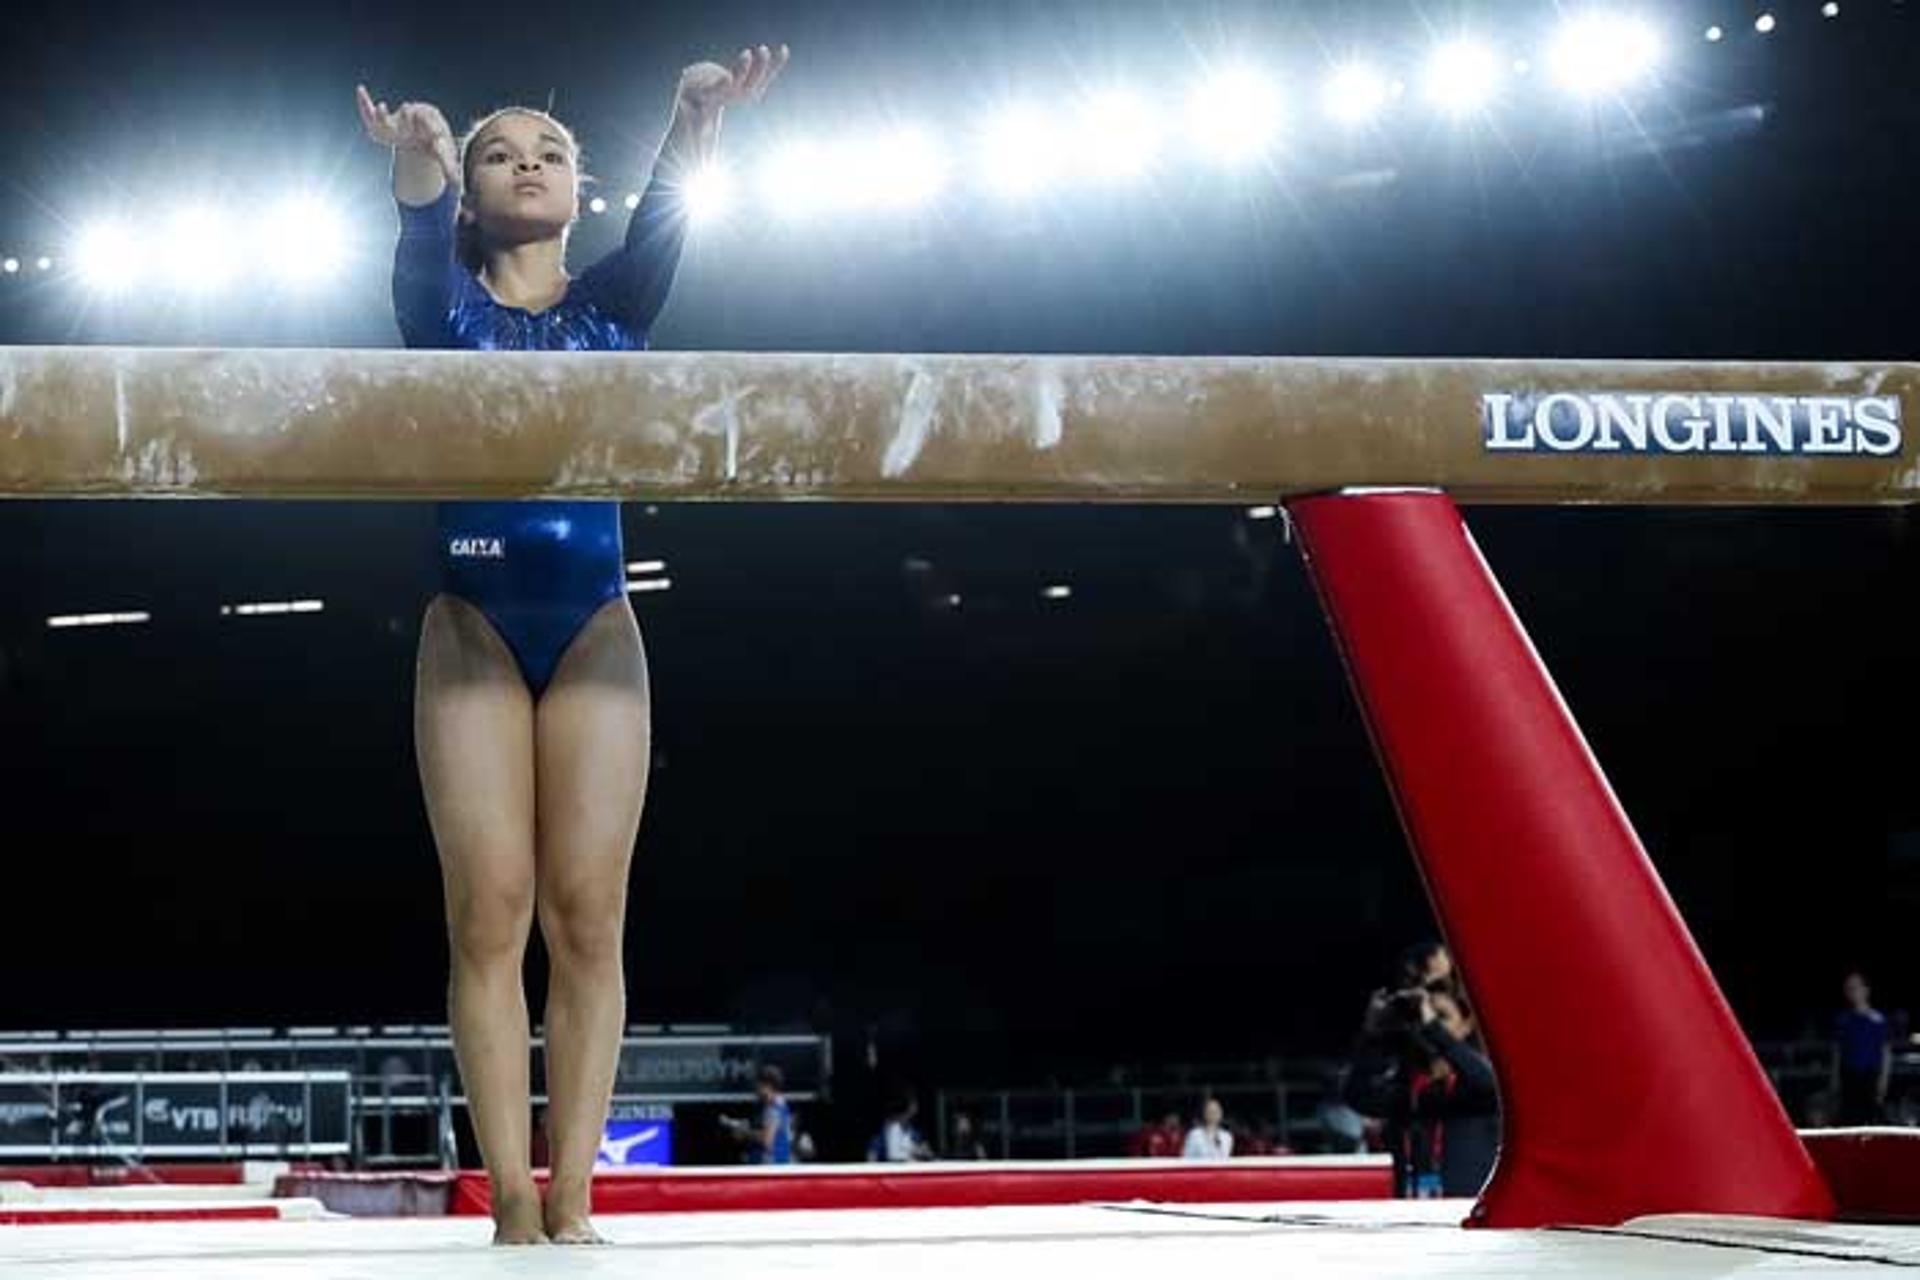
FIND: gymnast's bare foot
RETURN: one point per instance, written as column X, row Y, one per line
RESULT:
column 574, row 1231
column 516, row 1217
column 566, row 1216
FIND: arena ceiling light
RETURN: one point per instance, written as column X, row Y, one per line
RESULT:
column 1116, row 135
column 1019, row 152
column 1604, row 53
column 709, row 194
column 200, row 247
column 271, row 608
column 897, row 169
column 60, row 621
column 106, row 257
column 901, row 168
column 798, row 180
column 1462, row 76
column 302, row 241
column 1234, row 114
column 1355, row 94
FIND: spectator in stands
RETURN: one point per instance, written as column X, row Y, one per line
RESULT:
column 898, row 1141
column 1258, row 1141
column 1209, row 1140
column 768, row 1139
column 1161, row 1140
column 965, row 1144
column 1865, row 1055
column 772, row 1138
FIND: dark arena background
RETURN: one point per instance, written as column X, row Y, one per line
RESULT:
column 1060, row 816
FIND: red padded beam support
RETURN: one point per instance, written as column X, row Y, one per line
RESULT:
column 1626, row 1085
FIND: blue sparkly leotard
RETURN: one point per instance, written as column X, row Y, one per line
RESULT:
column 538, row 570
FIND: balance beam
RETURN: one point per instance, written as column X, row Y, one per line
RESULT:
column 110, row 422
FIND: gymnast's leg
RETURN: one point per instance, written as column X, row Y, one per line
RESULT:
column 593, row 740
column 473, row 732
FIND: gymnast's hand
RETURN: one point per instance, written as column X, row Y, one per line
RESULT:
column 707, row 87
column 706, row 90
column 411, row 129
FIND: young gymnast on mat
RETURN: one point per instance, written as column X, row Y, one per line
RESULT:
column 531, row 713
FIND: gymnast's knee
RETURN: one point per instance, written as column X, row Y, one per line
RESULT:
column 488, row 921
column 582, row 928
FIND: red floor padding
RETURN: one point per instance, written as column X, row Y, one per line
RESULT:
column 955, row 1185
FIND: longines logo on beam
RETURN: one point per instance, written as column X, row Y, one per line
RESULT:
column 1665, row 422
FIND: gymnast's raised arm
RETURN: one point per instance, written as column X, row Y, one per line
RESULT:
column 426, row 186
column 632, row 281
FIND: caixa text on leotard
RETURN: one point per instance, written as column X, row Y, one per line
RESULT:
column 1683, row 422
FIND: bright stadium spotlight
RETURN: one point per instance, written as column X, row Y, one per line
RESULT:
column 1765, row 24
column 1462, row 77
column 899, row 169
column 1716, row 33
column 105, row 256
column 597, row 205
column 708, row 193
column 797, row 180
column 1019, row 151
column 43, row 263
column 1604, row 53
column 1356, row 94
column 633, row 200
column 10, row 266
column 1117, row 136
column 301, row 241
column 199, row 250
column 1830, row 9
column 1234, row 114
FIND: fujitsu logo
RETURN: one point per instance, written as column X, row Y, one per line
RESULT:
column 477, row 548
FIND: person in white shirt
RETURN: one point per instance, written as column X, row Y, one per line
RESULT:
column 899, row 1142
column 1208, row 1140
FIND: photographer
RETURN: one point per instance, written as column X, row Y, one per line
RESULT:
column 1419, row 1069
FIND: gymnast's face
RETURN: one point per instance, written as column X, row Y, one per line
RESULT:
column 522, row 182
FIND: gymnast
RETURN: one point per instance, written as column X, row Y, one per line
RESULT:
column 532, row 721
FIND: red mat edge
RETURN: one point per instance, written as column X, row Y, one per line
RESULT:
column 940, row 1187
column 54, row 1216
